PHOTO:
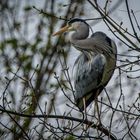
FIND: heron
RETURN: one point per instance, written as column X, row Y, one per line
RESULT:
column 96, row 63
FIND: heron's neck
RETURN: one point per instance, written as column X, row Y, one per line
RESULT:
column 80, row 42
column 77, row 36
column 80, row 34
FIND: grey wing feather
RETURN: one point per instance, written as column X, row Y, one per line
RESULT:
column 103, row 40
column 102, row 36
column 99, row 34
column 89, row 74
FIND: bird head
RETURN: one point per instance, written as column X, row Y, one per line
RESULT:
column 72, row 25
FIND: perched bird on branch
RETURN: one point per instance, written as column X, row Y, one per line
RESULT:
column 96, row 63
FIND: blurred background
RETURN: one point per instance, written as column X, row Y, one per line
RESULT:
column 36, row 69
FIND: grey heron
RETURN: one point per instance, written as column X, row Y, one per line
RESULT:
column 96, row 63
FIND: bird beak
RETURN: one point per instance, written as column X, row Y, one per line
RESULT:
column 62, row 30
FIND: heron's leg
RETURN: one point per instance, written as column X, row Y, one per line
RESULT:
column 84, row 103
column 98, row 114
column 98, row 111
column 85, row 112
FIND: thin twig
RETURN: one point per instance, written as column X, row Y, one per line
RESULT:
column 87, row 122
